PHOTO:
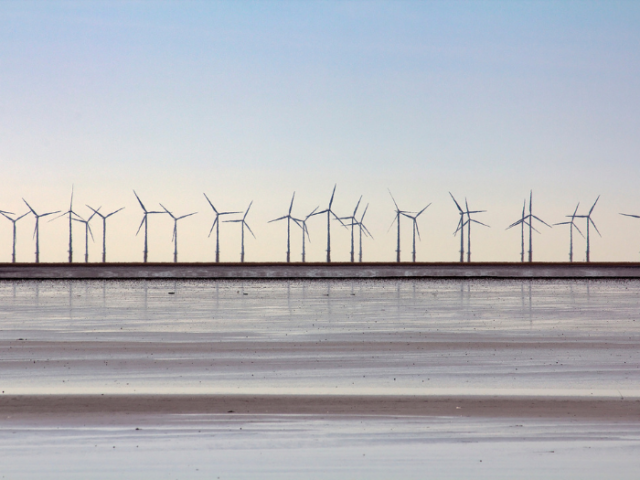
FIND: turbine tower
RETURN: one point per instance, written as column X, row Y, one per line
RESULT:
column 353, row 223
column 468, row 224
column 14, row 221
column 216, row 223
column 330, row 212
column 590, row 221
column 303, row 225
column 522, row 222
column 87, row 231
column 104, row 229
column 397, row 220
column 572, row 225
column 460, row 227
column 36, row 231
column 144, row 222
column 70, row 213
column 414, row 218
column 243, row 223
column 288, row 218
column 174, row 238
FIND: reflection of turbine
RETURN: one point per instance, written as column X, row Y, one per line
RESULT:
column 243, row 224
column 216, row 223
column 528, row 220
column 144, row 221
column 625, row 214
column 36, row 231
column 397, row 220
column 572, row 225
column 174, row 238
column 87, row 231
column 70, row 213
column 104, row 229
column 353, row 223
column 590, row 221
column 414, row 218
column 329, row 212
column 303, row 225
column 14, row 221
column 288, row 218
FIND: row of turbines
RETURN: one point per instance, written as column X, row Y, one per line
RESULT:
column 354, row 222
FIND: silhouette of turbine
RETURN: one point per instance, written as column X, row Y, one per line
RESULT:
column 14, row 221
column 288, row 218
column 590, row 221
column 353, row 223
column 174, row 238
column 330, row 212
column 216, row 223
column 104, row 229
column 399, row 213
column 572, row 225
column 87, row 231
column 460, row 227
column 528, row 221
column 70, row 213
column 144, row 222
column 303, row 225
column 243, row 223
column 414, row 218
column 36, row 231
column 468, row 223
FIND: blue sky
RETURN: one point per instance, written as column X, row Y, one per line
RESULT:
column 253, row 100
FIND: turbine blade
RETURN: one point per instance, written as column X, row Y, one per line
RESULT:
column 144, row 219
column 540, row 220
column 594, row 205
column 364, row 213
column 313, row 212
column 214, row 208
column 357, row 205
column 479, row 223
column 420, row 212
column 32, row 210
column 112, row 213
column 576, row 210
column 247, row 212
column 165, row 209
column 247, row 225
column 332, row 194
column 456, row 202
column 213, row 225
column 291, row 206
column 629, row 215
column 394, row 201
column 278, row 219
column 336, row 217
column 594, row 225
column 140, row 201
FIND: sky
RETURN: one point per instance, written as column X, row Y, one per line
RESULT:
column 251, row 101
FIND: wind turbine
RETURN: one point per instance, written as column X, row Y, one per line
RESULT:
column 414, row 218
column 70, row 213
column 243, row 223
column 528, row 221
column 353, row 223
column 104, row 229
column 14, row 221
column 36, row 231
column 624, row 214
column 303, row 225
column 460, row 227
column 572, row 225
column 216, row 223
column 87, row 231
column 590, row 221
column 468, row 224
column 397, row 220
column 174, row 238
column 144, row 221
column 288, row 218
column 330, row 212
column 362, row 227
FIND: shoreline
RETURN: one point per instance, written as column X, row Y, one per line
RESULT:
column 322, row 271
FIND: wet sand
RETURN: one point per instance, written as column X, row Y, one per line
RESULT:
column 94, row 406
column 320, row 379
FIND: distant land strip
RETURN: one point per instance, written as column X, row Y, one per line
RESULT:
column 263, row 271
